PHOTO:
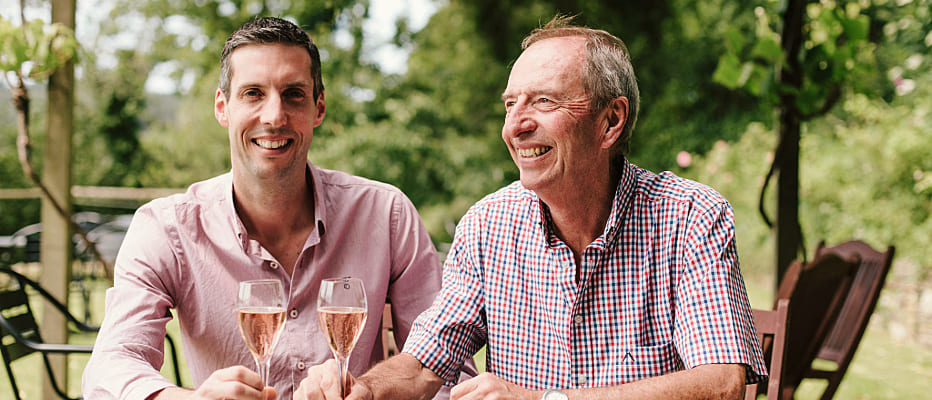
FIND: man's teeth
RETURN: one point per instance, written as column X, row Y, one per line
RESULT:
column 271, row 144
column 533, row 152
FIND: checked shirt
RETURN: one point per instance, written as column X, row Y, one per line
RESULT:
column 659, row 291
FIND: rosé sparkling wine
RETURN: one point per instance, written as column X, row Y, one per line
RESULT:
column 342, row 326
column 260, row 313
column 341, row 311
column 261, row 327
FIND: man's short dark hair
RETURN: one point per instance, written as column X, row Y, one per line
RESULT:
column 269, row 30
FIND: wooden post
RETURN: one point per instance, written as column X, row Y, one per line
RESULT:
column 56, row 253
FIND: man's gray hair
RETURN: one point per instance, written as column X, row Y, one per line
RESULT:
column 608, row 73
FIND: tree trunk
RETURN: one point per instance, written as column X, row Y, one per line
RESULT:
column 787, row 229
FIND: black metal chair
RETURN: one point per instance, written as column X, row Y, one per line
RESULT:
column 19, row 332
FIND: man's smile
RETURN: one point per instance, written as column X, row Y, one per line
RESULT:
column 533, row 151
column 271, row 144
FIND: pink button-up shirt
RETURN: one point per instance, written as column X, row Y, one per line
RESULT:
column 188, row 252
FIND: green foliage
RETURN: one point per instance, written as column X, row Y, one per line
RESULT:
column 836, row 48
column 33, row 51
column 190, row 148
column 864, row 176
column 37, row 49
column 109, row 122
column 881, row 167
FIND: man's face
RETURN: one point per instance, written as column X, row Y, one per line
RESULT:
column 549, row 129
column 271, row 113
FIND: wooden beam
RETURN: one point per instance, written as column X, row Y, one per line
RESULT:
column 56, row 175
column 98, row 196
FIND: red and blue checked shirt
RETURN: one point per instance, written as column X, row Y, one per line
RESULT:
column 659, row 291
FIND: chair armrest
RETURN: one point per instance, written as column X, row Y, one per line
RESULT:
column 60, row 348
column 84, row 328
column 44, row 347
column 52, row 300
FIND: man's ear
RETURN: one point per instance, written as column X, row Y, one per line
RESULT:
column 220, row 109
column 321, row 110
column 614, row 120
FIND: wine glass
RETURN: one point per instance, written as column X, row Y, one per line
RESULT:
column 260, row 309
column 341, row 310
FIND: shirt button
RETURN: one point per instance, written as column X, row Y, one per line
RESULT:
column 578, row 319
column 580, row 379
column 565, row 264
column 293, row 313
column 301, row 365
column 274, row 265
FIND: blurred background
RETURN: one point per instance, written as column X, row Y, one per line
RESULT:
column 413, row 99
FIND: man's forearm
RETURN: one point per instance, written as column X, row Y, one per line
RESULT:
column 170, row 392
column 712, row 381
column 399, row 377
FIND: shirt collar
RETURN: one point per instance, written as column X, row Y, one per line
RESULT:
column 321, row 203
column 624, row 193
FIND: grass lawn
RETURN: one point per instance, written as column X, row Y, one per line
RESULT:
column 883, row 368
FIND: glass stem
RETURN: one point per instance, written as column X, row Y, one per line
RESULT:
column 344, row 363
column 263, row 370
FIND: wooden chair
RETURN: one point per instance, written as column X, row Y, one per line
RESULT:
column 20, row 334
column 771, row 327
column 815, row 293
column 389, row 348
column 842, row 341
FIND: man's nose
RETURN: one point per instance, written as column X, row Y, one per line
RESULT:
column 273, row 112
column 518, row 121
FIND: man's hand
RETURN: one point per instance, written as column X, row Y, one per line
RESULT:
column 236, row 382
column 322, row 383
column 489, row 386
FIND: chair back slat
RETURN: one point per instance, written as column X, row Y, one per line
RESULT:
column 15, row 311
column 815, row 292
column 771, row 328
column 389, row 348
column 858, row 306
column 861, row 300
column 16, row 314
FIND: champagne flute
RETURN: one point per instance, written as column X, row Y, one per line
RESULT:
column 341, row 310
column 260, row 308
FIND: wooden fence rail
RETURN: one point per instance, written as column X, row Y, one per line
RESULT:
column 101, row 196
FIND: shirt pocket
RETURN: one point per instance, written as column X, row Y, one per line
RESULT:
column 640, row 362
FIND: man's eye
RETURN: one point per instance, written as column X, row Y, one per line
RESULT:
column 294, row 95
column 251, row 93
column 545, row 104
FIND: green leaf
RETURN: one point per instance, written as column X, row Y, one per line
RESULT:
column 734, row 39
column 44, row 47
column 856, row 28
column 769, row 50
column 728, row 71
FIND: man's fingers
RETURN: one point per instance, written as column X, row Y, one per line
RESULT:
column 322, row 382
column 242, row 374
column 236, row 382
column 464, row 388
column 330, row 385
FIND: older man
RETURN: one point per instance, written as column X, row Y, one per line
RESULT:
column 590, row 278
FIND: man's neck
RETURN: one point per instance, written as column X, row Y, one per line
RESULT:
column 279, row 216
column 579, row 215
